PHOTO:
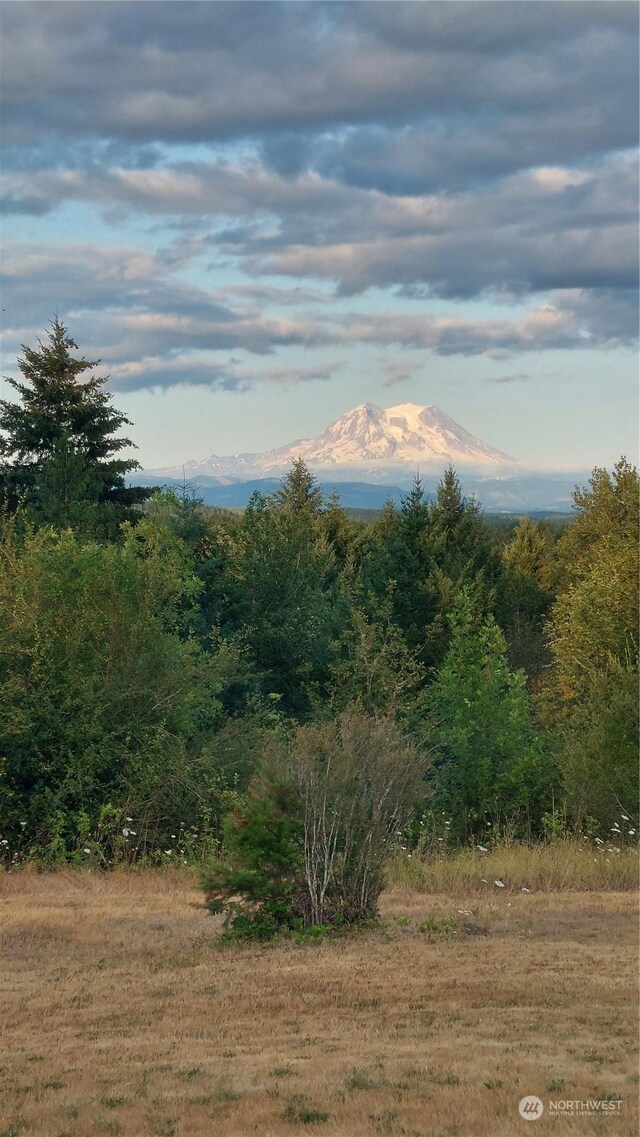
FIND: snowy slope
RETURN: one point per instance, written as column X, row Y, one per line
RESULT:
column 366, row 440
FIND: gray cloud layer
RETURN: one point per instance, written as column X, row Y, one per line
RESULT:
column 152, row 329
column 546, row 228
column 436, row 150
column 181, row 71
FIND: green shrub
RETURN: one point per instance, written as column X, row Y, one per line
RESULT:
column 264, row 849
column 309, row 847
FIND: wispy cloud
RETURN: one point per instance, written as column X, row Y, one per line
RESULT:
column 521, row 377
column 397, row 373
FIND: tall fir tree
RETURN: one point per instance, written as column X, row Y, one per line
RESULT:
column 492, row 761
column 525, row 595
column 450, row 504
column 397, row 564
column 300, row 491
column 59, row 443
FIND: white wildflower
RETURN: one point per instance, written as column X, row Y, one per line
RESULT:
column 86, row 850
column 499, row 883
column 125, row 832
column 599, row 842
column 624, row 817
column 631, row 832
column 482, row 848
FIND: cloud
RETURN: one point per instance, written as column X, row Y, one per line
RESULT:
column 548, row 228
column 156, row 372
column 570, row 320
column 125, row 304
column 192, row 72
column 435, row 155
column 545, row 229
column 521, row 377
column 133, row 309
column 442, row 154
column 397, row 373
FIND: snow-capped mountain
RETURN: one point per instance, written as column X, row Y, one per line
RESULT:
column 405, row 433
column 368, row 440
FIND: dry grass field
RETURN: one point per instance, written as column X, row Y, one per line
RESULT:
column 122, row 1015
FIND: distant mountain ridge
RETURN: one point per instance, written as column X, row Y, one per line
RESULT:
column 513, row 495
column 368, row 442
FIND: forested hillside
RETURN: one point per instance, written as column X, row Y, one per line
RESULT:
column 166, row 667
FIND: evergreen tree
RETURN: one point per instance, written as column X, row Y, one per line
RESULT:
column 398, row 563
column 528, row 551
column 284, row 601
column 376, row 670
column 461, row 555
column 450, row 505
column 300, row 491
column 340, row 532
column 525, row 595
column 415, row 510
column 59, row 442
column 491, row 759
column 462, row 539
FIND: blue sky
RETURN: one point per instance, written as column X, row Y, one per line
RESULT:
column 260, row 215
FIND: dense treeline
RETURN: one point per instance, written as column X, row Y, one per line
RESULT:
column 166, row 668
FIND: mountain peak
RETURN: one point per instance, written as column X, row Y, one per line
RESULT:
column 370, row 408
column 410, row 408
column 372, row 441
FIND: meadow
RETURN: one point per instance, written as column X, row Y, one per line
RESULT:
column 123, row 1014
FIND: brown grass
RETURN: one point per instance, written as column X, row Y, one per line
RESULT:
column 123, row 1016
column 563, row 865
